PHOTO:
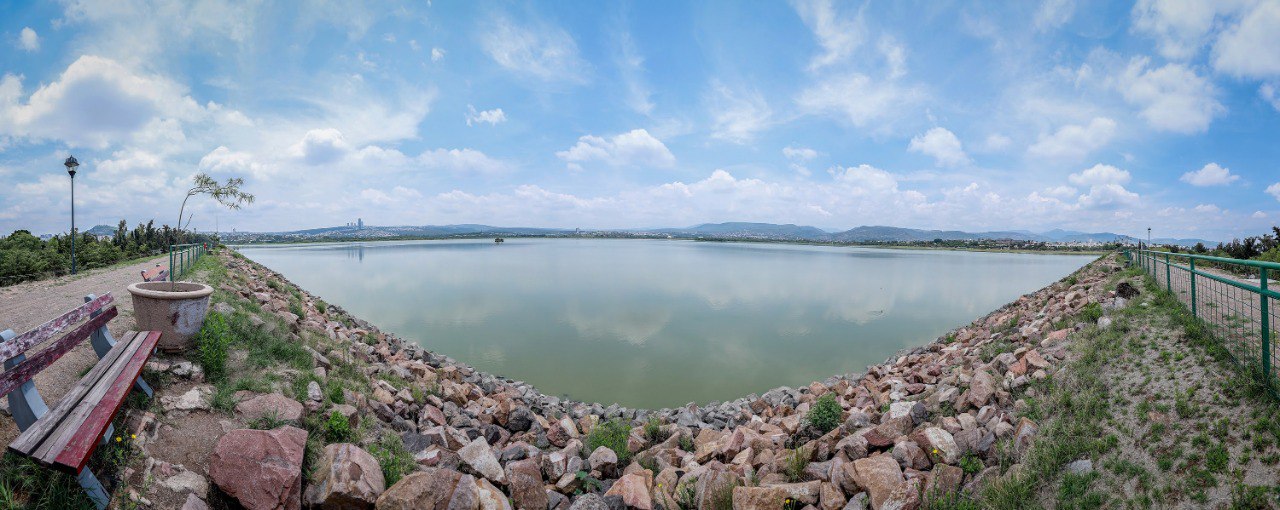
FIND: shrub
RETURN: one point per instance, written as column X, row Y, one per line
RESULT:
column 611, row 435
column 686, row 443
column 392, row 456
column 825, row 413
column 211, row 346
column 1091, row 312
column 653, row 430
column 971, row 464
column 337, row 429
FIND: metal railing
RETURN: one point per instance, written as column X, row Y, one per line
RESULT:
column 182, row 257
column 1234, row 298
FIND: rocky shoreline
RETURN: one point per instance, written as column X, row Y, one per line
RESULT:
column 929, row 421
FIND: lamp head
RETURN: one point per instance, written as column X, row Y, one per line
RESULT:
column 71, row 165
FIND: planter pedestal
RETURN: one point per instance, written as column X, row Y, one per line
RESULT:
column 175, row 309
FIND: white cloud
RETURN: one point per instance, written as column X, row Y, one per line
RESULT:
column 462, row 161
column 491, row 117
column 28, row 40
column 737, row 115
column 796, row 153
column 1072, row 143
column 1100, row 174
column 1108, row 197
column 942, row 145
column 858, row 99
column 398, row 195
column 95, row 102
column 1172, row 98
column 1061, row 192
column 1258, row 215
column 1274, row 190
column 1054, row 13
column 321, row 147
column 544, row 52
column 798, row 157
column 1210, row 175
column 1249, row 48
column 1207, row 209
column 1268, row 92
column 228, row 162
column 437, row 54
column 1180, row 27
column 837, row 36
column 636, row 148
column 996, row 142
column 631, row 68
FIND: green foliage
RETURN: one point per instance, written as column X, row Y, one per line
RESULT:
column 612, row 435
column 795, row 462
column 392, row 456
column 825, row 413
column 686, row 442
column 211, row 346
column 1091, row 312
column 337, row 429
column 25, row 257
column 321, row 306
column 297, row 309
column 653, row 430
column 971, row 464
column 267, row 421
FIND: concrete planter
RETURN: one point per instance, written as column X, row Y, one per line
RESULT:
column 175, row 309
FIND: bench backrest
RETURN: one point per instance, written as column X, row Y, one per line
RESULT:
column 23, row 371
column 157, row 273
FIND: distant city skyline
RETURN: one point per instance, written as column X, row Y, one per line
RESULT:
column 1090, row 116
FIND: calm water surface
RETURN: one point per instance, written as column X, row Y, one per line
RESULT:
column 649, row 323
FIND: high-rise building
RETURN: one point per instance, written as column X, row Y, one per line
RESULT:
column 360, row 223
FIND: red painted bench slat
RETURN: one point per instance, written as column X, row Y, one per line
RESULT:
column 31, row 439
column 21, row 343
column 12, row 379
column 77, row 451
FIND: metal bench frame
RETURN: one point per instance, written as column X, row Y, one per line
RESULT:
column 27, row 406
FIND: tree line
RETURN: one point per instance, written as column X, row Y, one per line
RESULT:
column 25, row 257
column 1265, row 247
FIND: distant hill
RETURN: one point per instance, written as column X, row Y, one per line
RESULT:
column 101, row 230
column 729, row 230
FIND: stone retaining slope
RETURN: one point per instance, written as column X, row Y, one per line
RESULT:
column 907, row 425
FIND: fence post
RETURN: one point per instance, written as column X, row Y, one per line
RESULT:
column 172, row 278
column 1168, row 273
column 1266, row 326
column 1192, row 275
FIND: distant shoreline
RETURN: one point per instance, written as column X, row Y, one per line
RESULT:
column 980, row 249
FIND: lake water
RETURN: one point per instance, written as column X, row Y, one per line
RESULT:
column 653, row 323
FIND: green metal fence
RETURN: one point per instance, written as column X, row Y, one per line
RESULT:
column 183, row 256
column 1234, row 298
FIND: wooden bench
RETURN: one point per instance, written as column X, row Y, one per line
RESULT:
column 156, row 274
column 64, row 437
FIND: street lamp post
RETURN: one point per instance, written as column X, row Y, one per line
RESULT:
column 71, row 165
column 1148, row 236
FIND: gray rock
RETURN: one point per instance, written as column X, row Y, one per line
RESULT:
column 1080, row 467
column 589, row 502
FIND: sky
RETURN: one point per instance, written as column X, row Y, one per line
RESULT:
column 1093, row 116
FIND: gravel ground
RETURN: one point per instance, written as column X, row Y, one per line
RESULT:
column 27, row 305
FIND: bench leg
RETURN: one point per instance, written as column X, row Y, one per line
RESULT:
column 25, row 403
column 93, row 488
column 102, row 342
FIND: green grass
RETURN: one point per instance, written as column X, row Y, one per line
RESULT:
column 395, row 460
column 212, row 343
column 612, row 435
column 337, row 429
column 795, row 462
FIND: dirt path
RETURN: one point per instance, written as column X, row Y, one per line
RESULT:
column 30, row 304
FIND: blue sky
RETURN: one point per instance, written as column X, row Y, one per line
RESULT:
column 1094, row 116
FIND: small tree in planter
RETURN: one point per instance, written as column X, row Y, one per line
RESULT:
column 227, row 194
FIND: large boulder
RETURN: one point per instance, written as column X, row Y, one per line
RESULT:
column 879, row 475
column 981, row 388
column 345, row 478
column 479, row 457
column 432, row 489
column 524, row 479
column 759, row 498
column 634, row 490
column 273, row 405
column 261, row 469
